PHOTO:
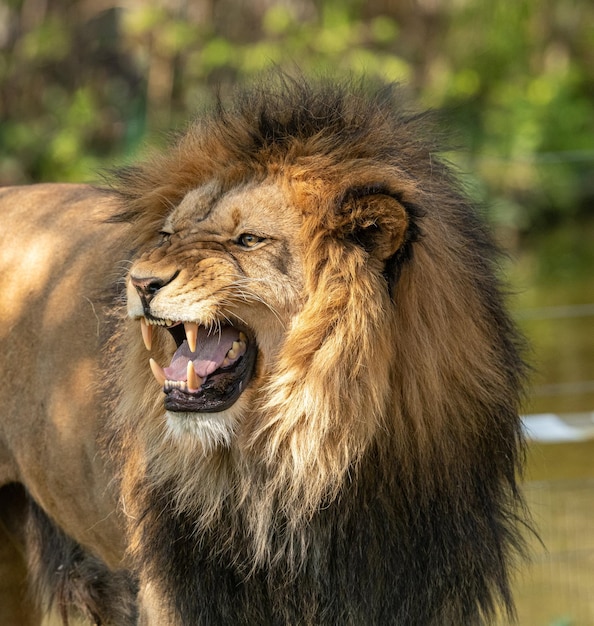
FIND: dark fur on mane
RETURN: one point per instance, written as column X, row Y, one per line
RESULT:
column 427, row 521
column 392, row 560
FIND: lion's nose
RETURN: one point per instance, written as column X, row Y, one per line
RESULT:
column 148, row 286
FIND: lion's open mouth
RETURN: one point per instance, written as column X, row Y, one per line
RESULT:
column 208, row 371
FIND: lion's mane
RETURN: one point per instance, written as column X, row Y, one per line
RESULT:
column 374, row 480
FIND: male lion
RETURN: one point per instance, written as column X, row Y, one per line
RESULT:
column 327, row 432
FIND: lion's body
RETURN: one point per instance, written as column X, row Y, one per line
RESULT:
column 53, row 327
column 341, row 447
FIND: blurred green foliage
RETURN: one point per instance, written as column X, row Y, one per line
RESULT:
column 84, row 85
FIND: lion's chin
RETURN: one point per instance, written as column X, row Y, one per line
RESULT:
column 207, row 430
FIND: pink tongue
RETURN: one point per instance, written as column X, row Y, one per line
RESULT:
column 209, row 356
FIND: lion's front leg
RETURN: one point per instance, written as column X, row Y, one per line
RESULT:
column 17, row 604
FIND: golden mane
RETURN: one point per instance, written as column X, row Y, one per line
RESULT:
column 394, row 396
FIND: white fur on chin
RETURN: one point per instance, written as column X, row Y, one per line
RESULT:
column 209, row 430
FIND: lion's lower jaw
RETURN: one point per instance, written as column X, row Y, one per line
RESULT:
column 209, row 430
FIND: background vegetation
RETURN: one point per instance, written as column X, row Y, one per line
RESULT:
column 85, row 83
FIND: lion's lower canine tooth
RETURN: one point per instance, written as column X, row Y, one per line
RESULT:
column 158, row 372
column 147, row 333
column 191, row 329
column 194, row 381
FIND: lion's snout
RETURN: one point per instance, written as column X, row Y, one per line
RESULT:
column 147, row 287
column 144, row 285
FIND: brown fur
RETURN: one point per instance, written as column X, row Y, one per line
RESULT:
column 367, row 474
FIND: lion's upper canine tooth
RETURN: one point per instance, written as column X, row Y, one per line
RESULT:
column 194, row 381
column 147, row 333
column 158, row 372
column 191, row 329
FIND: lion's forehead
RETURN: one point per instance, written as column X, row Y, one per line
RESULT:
column 252, row 205
column 195, row 205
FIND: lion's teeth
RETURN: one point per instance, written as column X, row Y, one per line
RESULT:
column 242, row 337
column 158, row 372
column 237, row 349
column 194, row 381
column 147, row 333
column 191, row 329
column 174, row 384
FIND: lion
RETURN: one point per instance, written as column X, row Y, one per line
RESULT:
column 266, row 376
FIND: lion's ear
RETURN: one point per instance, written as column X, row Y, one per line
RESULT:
column 379, row 225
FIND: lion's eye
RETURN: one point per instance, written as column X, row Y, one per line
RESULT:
column 249, row 240
column 164, row 237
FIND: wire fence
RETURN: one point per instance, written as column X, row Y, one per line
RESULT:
column 556, row 588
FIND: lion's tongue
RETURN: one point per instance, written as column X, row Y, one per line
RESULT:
column 209, row 356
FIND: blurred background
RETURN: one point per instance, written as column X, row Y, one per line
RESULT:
column 90, row 84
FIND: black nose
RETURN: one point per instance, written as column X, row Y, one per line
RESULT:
column 148, row 286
